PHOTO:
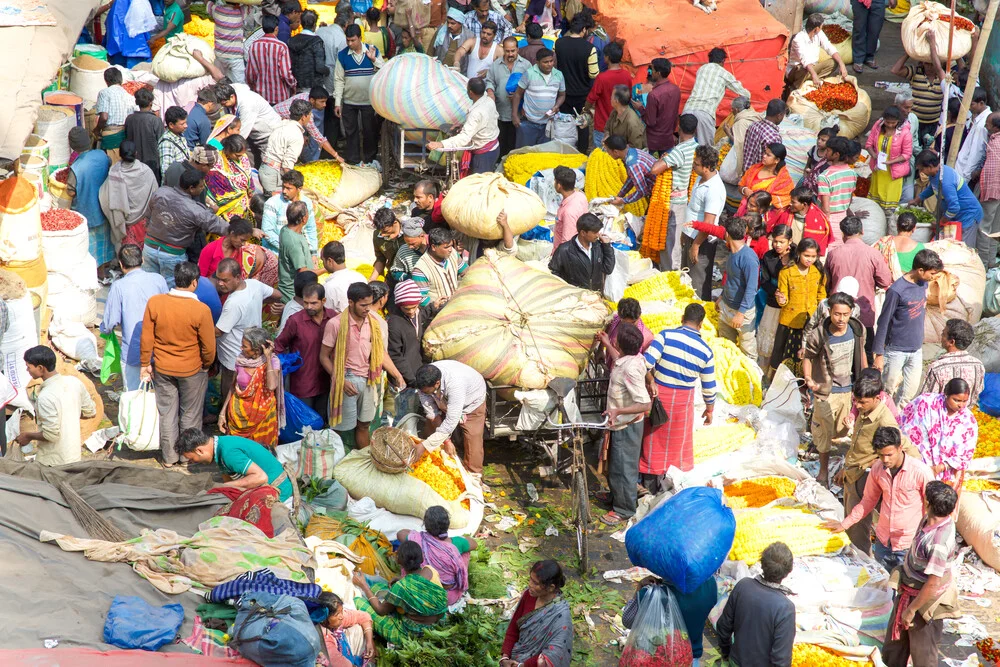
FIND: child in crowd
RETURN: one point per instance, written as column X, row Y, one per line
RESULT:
column 774, row 260
column 629, row 312
column 808, row 220
column 801, row 286
column 818, row 159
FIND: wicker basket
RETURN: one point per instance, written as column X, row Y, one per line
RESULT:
column 391, row 450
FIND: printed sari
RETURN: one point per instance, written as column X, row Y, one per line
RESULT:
column 546, row 633
column 230, row 186
column 412, row 596
column 778, row 186
column 255, row 411
column 941, row 438
column 443, row 556
column 253, row 506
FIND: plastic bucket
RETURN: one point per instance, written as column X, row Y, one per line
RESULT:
column 64, row 98
column 35, row 169
column 95, row 50
column 36, row 145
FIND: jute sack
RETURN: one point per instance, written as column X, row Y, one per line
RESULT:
column 473, row 204
column 978, row 520
column 926, row 17
column 852, row 122
column 962, row 261
column 174, row 61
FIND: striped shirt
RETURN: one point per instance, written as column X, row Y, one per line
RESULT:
column 838, row 183
column 172, row 148
column 116, row 102
column 638, row 165
column 504, row 28
column 269, row 70
column 926, row 96
column 283, row 107
column 758, row 136
column 710, row 85
column 931, row 553
column 228, row 30
column 438, row 279
column 679, row 357
column 540, row 92
column 680, row 158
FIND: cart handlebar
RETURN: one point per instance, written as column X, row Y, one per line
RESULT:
column 568, row 425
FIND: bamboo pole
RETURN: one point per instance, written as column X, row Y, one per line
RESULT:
column 970, row 86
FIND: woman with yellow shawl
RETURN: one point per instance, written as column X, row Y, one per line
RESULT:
column 227, row 125
column 770, row 176
column 254, row 406
column 230, row 184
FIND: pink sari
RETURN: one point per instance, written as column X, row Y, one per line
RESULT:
column 941, row 439
column 443, row 556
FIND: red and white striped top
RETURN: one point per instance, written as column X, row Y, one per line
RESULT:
column 228, row 30
column 269, row 70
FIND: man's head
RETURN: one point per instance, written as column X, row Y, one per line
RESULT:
column 904, row 102
column 208, row 98
column 407, row 297
column 813, row 24
column 717, row 56
column 425, row 193
column 621, row 97
column 993, row 122
column 509, row 49
column 851, row 226
column 334, row 256
column 195, row 446
column 79, row 139
column 867, row 389
column 144, row 98
column 353, row 35
column 112, row 76
column 386, row 224
column 801, row 199
column 440, row 243
column 706, row 162
column 887, row 442
column 659, row 69
column 546, row 60
column 301, row 111
column 130, row 257
column 308, row 20
column 291, row 183
column 533, row 31
column 428, row 378
column 297, row 214
column 413, row 234
column 588, row 228
column 482, row 8
column 614, row 53
column 979, row 101
column 186, row 276
column 739, row 104
column 957, row 336
column 841, row 307
column 476, row 88
column 318, row 97
column 292, row 10
column 313, row 296
column 203, row 158
column 269, row 24
column 628, row 339
column 927, row 265
column 455, row 21
column 776, row 111
column 577, row 25
column 565, row 180
column 939, row 499
column 693, row 316
column 487, row 33
column 40, row 361
column 616, row 146
column 176, row 119
column 776, row 562
column 359, row 299
column 302, row 280
column 688, row 125
column 192, row 182
column 927, row 163
column 736, row 229
column 838, row 149
column 228, row 275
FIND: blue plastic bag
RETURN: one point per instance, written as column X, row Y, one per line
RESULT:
column 537, row 233
column 989, row 398
column 298, row 415
column 684, row 540
column 290, row 362
column 134, row 623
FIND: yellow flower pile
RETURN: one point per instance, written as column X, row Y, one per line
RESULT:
column 605, row 178
column 759, row 491
column 435, row 473
column 978, row 485
column 799, row 529
column 736, row 377
column 810, row 655
column 721, row 439
column 330, row 231
column 522, row 166
column 658, row 316
column 988, row 444
column 661, row 287
column 201, row 28
column 322, row 176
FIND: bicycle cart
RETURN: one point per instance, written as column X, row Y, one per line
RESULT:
column 405, row 150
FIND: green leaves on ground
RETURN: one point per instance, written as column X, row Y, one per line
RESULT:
column 473, row 638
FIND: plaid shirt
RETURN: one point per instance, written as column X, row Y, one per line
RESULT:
column 172, row 148
column 710, row 86
column 640, row 181
column 989, row 179
column 758, row 136
column 116, row 102
column 269, row 70
column 283, row 107
column 504, row 28
column 952, row 365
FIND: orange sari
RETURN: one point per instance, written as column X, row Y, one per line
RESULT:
column 779, row 187
column 253, row 411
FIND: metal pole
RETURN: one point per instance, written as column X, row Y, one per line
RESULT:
column 970, row 86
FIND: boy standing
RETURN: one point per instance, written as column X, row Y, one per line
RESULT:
column 737, row 312
column 899, row 336
column 833, row 360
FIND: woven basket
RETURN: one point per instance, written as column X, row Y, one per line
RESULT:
column 391, row 450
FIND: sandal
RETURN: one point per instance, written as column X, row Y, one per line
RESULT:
column 870, row 63
column 858, row 69
column 613, row 519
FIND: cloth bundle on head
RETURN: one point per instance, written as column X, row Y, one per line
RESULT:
column 407, row 293
column 848, row 285
column 204, row 155
column 413, row 227
column 79, row 139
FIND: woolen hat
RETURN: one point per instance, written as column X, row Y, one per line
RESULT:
column 407, row 293
column 413, row 227
column 204, row 155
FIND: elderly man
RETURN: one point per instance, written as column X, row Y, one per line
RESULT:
column 454, row 396
column 480, row 132
column 803, row 56
column 413, row 248
column 510, row 66
column 710, row 86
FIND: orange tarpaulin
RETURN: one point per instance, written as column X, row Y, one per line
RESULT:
column 675, row 29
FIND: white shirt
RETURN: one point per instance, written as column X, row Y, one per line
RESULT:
column 804, row 50
column 285, row 144
column 290, row 309
column 974, row 146
column 333, row 41
column 479, row 129
column 59, row 403
column 708, row 197
column 256, row 115
column 242, row 310
column 336, row 288
column 462, row 391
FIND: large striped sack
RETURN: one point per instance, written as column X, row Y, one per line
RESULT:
column 414, row 90
column 798, row 141
column 842, row 7
column 517, row 325
column 472, row 205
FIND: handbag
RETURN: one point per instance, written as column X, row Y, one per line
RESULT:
column 657, row 414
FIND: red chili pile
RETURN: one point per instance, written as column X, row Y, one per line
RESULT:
column 132, row 86
column 988, row 651
column 835, row 33
column 62, row 175
column 960, row 22
column 60, row 220
column 834, row 97
column 678, row 654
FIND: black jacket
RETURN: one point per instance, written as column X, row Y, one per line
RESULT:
column 308, row 61
column 571, row 264
column 404, row 343
column 757, row 626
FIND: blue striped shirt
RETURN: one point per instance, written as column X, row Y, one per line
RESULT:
column 678, row 357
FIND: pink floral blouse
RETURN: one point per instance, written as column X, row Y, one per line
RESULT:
column 941, row 439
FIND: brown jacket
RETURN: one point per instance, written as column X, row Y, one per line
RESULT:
column 178, row 333
column 861, row 455
column 818, row 353
column 627, row 124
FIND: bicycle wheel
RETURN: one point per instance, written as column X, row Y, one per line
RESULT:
column 581, row 512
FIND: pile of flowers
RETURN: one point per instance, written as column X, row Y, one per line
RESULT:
column 605, row 177
column 799, row 529
column 737, row 379
column 834, row 97
column 835, row 33
column 321, row 176
column 988, row 444
column 432, row 470
column 661, row 287
column 979, row 485
column 201, row 28
column 722, row 439
column 758, row 491
column 810, row 655
column 960, row 23
column 520, row 167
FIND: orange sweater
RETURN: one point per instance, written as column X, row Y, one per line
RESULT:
column 177, row 331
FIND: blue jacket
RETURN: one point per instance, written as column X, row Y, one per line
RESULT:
column 956, row 198
column 90, row 170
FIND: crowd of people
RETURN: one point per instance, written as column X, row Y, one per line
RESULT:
column 192, row 195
